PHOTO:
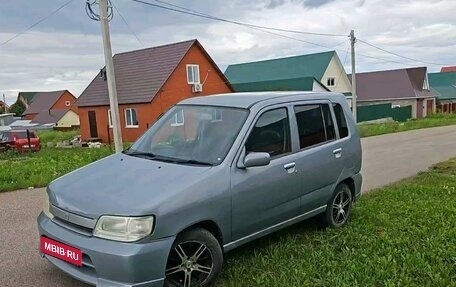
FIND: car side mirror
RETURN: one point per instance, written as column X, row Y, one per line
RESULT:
column 257, row 159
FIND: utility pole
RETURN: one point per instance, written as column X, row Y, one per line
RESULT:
column 353, row 72
column 117, row 132
column 4, row 102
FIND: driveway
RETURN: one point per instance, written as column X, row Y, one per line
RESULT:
column 386, row 159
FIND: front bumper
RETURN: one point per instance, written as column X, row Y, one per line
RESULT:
column 110, row 263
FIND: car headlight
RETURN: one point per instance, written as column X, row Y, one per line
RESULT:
column 47, row 206
column 125, row 229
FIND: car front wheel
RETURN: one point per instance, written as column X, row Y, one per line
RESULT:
column 195, row 259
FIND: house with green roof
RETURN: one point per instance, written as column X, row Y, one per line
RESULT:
column 311, row 72
column 444, row 83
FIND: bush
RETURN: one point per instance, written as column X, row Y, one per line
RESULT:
column 18, row 108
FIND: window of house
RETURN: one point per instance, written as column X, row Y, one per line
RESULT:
column 315, row 124
column 67, row 103
column 270, row 134
column 341, row 120
column 426, row 83
column 217, row 115
column 178, row 119
column 193, row 75
column 109, row 118
column 330, row 82
column 131, row 120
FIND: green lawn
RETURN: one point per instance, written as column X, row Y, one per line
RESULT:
column 56, row 136
column 401, row 235
column 437, row 120
column 18, row 171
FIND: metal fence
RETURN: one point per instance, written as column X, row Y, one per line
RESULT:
column 382, row 111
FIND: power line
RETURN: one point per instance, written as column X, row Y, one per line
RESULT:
column 36, row 23
column 398, row 55
column 254, row 27
column 184, row 10
column 128, row 26
column 187, row 11
column 338, row 44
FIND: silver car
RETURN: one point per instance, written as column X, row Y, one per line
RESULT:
column 211, row 174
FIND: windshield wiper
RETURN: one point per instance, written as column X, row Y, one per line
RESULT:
column 139, row 153
column 194, row 161
column 166, row 158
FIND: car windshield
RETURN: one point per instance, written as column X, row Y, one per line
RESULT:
column 191, row 134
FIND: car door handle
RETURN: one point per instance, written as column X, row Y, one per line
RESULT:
column 289, row 165
column 337, row 152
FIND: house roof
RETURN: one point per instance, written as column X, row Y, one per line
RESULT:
column 28, row 96
column 392, row 84
column 442, row 79
column 444, row 83
column 49, row 116
column 446, row 92
column 140, row 74
column 303, row 66
column 43, row 101
column 448, row 69
column 296, row 84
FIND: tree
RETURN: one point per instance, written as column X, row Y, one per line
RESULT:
column 17, row 108
column 2, row 110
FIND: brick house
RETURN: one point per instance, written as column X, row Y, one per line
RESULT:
column 149, row 81
column 45, row 102
column 3, row 107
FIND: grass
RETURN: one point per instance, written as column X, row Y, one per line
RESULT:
column 18, row 171
column 437, row 120
column 56, row 136
column 401, row 235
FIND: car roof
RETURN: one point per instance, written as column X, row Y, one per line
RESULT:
column 247, row 100
column 18, row 131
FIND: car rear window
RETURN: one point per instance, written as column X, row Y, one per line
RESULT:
column 315, row 124
column 23, row 135
column 341, row 121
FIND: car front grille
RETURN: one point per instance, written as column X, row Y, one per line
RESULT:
column 73, row 227
column 74, row 222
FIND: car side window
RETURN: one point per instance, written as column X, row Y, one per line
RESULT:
column 270, row 134
column 6, row 137
column 315, row 124
column 341, row 120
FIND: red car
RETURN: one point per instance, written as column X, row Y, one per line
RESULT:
column 17, row 140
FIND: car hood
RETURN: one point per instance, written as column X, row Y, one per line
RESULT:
column 122, row 185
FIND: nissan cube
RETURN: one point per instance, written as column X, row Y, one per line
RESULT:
column 211, row 174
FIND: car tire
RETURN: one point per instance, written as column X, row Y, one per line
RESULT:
column 195, row 259
column 338, row 208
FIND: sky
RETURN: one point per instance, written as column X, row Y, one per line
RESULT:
column 65, row 51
